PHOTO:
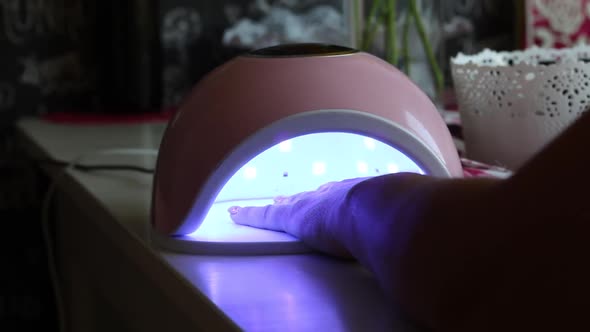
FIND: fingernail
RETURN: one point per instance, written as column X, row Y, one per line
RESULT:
column 233, row 209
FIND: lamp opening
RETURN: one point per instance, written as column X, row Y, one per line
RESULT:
column 299, row 164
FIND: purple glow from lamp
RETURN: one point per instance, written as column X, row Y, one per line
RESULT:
column 284, row 120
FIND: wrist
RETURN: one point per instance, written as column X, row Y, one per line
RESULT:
column 376, row 212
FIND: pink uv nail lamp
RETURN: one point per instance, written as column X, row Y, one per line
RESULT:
column 283, row 120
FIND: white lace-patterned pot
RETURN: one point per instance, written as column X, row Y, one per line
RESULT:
column 513, row 103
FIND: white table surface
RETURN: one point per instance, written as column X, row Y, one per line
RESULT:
column 308, row 292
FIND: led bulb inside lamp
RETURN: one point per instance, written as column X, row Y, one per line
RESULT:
column 296, row 165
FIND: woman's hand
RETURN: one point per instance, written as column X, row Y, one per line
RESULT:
column 414, row 232
column 311, row 216
column 336, row 217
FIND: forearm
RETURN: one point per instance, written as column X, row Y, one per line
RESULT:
column 419, row 244
column 539, row 273
column 456, row 253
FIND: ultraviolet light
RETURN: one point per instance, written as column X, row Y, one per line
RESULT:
column 299, row 164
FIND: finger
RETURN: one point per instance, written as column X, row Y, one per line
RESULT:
column 267, row 217
column 293, row 198
column 321, row 189
column 326, row 186
column 280, row 199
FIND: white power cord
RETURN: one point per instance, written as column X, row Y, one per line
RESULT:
column 53, row 274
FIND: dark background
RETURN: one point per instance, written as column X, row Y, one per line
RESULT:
column 137, row 56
